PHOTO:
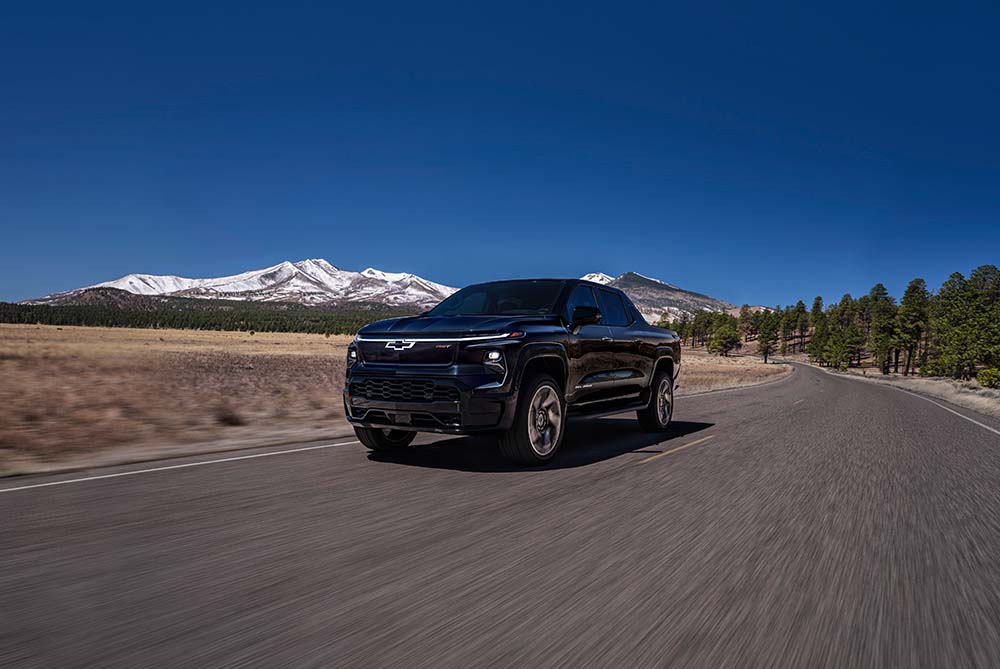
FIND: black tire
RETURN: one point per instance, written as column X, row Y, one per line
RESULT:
column 378, row 439
column 533, row 440
column 652, row 418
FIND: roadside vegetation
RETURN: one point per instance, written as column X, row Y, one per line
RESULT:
column 953, row 332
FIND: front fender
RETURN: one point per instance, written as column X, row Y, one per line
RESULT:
column 548, row 352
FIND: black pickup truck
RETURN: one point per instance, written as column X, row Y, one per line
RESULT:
column 515, row 358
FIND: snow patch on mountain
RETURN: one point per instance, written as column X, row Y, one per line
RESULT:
column 598, row 277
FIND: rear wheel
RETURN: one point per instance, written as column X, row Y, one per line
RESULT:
column 538, row 425
column 657, row 416
column 378, row 439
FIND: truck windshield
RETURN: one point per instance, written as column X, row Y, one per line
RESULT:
column 502, row 298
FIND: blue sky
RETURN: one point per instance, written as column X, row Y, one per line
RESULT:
column 757, row 154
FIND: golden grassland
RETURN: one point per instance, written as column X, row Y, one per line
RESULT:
column 701, row 372
column 67, row 393
column 73, row 390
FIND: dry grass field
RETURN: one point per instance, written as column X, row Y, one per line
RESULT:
column 66, row 392
column 69, row 395
column 701, row 371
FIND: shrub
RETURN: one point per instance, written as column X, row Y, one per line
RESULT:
column 989, row 377
column 225, row 414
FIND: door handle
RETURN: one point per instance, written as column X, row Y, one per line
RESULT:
column 606, row 339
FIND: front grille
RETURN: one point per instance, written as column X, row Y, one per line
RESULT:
column 404, row 390
column 415, row 352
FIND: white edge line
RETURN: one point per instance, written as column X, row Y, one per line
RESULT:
column 927, row 399
column 182, row 466
column 917, row 395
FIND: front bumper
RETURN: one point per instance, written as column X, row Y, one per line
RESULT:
column 478, row 407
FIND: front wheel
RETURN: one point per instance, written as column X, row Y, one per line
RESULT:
column 378, row 439
column 538, row 425
column 657, row 416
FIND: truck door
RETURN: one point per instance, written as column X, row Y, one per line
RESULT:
column 590, row 351
column 631, row 367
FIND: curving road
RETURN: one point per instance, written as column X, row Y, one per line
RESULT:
column 817, row 521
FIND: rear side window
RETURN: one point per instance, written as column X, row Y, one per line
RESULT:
column 612, row 309
column 582, row 296
column 637, row 317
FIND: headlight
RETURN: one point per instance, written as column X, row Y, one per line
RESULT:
column 352, row 356
column 494, row 361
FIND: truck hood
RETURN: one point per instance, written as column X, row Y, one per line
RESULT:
column 457, row 326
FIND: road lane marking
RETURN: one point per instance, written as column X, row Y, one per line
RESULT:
column 927, row 399
column 679, row 448
column 917, row 395
column 796, row 402
column 187, row 464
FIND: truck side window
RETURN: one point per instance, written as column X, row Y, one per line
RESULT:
column 637, row 316
column 582, row 296
column 612, row 309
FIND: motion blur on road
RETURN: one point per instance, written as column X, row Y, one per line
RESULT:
column 814, row 521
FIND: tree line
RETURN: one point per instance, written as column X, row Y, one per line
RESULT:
column 238, row 316
column 953, row 332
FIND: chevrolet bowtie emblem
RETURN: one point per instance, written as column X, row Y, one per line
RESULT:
column 400, row 345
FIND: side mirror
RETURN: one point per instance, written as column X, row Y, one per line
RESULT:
column 585, row 316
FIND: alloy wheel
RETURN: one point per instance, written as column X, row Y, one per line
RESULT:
column 665, row 401
column 544, row 420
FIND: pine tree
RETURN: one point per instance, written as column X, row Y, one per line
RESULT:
column 911, row 321
column 960, row 328
column 724, row 340
column 768, row 324
column 985, row 280
column 745, row 325
column 882, row 326
column 817, row 343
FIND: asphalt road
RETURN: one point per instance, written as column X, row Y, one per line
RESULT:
column 817, row 521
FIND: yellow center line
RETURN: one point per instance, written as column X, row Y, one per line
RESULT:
column 679, row 448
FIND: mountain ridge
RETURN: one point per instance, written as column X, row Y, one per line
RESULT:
column 313, row 281
column 317, row 282
column 657, row 299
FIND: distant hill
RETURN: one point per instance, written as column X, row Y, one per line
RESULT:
column 657, row 298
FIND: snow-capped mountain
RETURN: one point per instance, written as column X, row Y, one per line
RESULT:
column 313, row 281
column 657, row 299
column 317, row 282
column 598, row 277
